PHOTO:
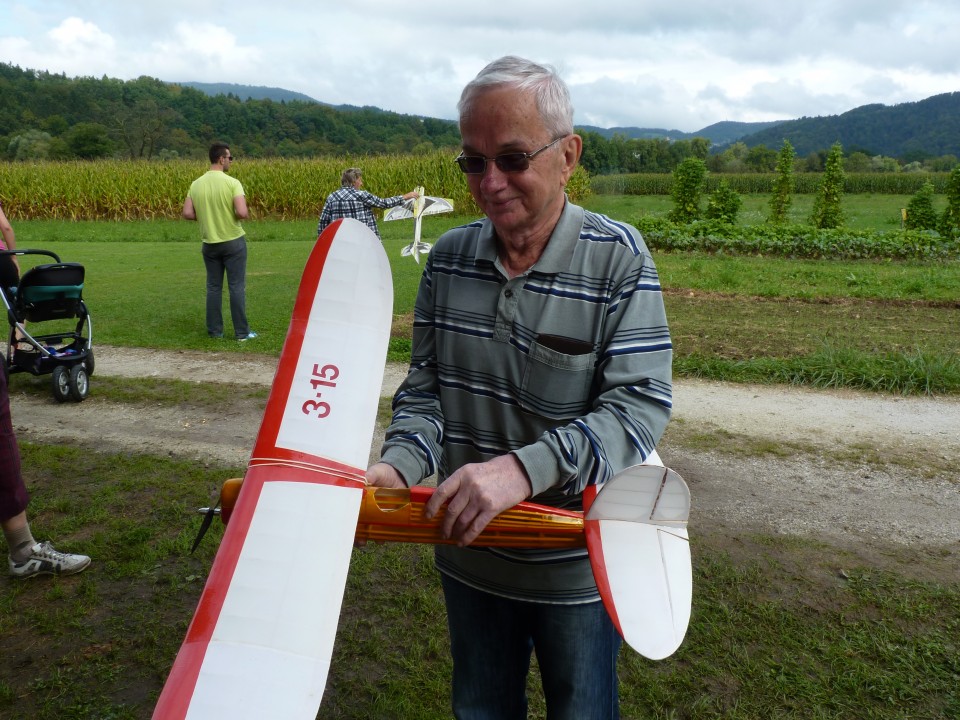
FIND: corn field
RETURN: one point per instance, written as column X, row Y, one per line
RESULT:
column 283, row 189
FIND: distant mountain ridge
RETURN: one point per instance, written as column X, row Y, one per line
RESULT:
column 719, row 134
column 249, row 92
column 929, row 127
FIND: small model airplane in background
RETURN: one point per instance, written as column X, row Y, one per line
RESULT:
column 416, row 209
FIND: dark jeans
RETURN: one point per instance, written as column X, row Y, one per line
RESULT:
column 491, row 639
column 231, row 258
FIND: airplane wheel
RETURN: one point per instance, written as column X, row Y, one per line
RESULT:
column 61, row 383
column 79, row 382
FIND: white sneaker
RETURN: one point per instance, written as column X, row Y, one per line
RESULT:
column 45, row 560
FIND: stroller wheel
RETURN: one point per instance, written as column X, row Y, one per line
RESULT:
column 61, row 383
column 88, row 363
column 79, row 382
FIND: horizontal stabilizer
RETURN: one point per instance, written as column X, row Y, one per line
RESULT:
column 636, row 531
column 421, row 248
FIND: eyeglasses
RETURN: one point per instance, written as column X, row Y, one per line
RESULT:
column 508, row 162
column 228, row 157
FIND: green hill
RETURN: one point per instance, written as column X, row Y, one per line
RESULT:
column 908, row 131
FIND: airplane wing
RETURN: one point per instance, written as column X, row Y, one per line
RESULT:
column 400, row 212
column 636, row 528
column 260, row 642
column 436, row 205
column 417, row 207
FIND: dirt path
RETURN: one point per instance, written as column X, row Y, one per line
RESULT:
column 909, row 499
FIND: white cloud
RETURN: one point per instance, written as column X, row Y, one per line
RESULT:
column 204, row 52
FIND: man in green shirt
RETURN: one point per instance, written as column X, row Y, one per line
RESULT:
column 217, row 201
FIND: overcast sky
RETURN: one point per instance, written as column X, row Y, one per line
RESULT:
column 681, row 64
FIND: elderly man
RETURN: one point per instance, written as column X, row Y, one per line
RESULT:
column 541, row 364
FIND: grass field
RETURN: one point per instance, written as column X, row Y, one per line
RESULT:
column 889, row 326
column 778, row 629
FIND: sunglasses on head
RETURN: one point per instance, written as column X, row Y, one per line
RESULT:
column 508, row 162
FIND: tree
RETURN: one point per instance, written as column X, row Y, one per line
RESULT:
column 859, row 162
column 689, row 181
column 920, row 212
column 782, row 185
column 827, row 210
column 88, row 141
column 760, row 158
column 30, row 145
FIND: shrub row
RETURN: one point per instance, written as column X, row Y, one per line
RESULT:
column 753, row 183
column 797, row 241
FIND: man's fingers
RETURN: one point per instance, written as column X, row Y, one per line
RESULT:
column 444, row 491
column 473, row 530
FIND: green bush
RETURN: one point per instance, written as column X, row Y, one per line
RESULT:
column 724, row 204
column 796, row 241
column 949, row 224
column 783, row 185
column 920, row 212
column 827, row 209
column 689, row 181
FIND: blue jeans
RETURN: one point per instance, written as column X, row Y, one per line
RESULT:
column 228, row 257
column 491, row 639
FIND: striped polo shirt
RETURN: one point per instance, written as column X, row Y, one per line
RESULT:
column 568, row 366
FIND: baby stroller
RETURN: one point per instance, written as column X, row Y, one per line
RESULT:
column 48, row 295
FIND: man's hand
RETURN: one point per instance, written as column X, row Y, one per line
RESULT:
column 477, row 493
column 382, row 475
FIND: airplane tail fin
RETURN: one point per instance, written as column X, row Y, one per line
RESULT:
column 415, row 249
column 636, row 527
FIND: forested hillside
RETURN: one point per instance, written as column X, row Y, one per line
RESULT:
column 908, row 131
column 50, row 116
column 47, row 116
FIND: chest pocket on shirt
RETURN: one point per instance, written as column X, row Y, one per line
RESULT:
column 558, row 377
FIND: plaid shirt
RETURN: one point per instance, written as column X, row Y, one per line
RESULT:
column 350, row 202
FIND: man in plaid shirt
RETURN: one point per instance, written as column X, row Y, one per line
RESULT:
column 351, row 201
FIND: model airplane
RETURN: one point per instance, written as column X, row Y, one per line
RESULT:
column 260, row 642
column 416, row 209
column 634, row 528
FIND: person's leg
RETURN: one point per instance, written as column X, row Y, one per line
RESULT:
column 235, row 262
column 577, row 648
column 27, row 557
column 213, row 261
column 13, row 493
column 491, row 654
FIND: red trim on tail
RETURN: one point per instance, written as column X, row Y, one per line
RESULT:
column 591, row 528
